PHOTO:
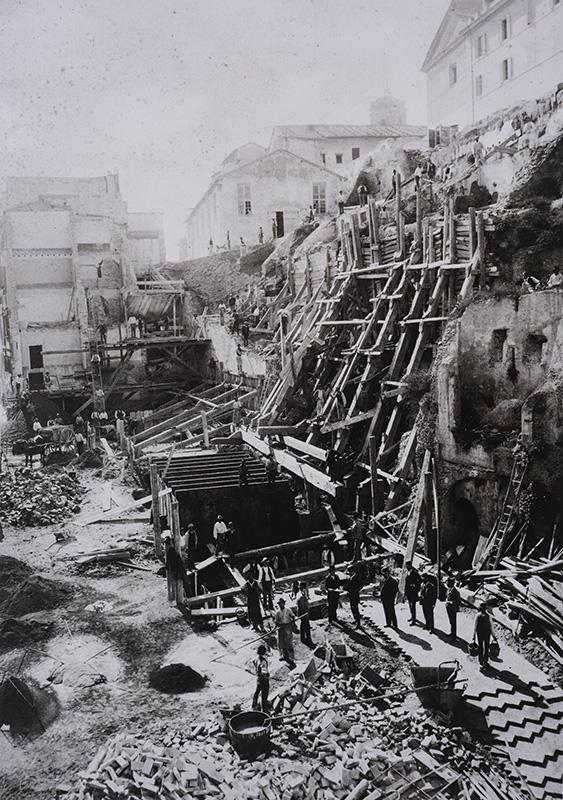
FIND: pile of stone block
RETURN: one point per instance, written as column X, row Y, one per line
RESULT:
column 355, row 752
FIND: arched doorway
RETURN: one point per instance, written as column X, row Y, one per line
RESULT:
column 464, row 535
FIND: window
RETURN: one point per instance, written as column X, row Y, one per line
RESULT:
column 453, row 74
column 339, row 158
column 504, row 28
column 244, row 201
column 506, row 69
column 355, row 153
column 479, row 85
column 323, row 158
column 482, row 45
column 319, row 197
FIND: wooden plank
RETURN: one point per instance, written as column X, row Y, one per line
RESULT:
column 345, row 423
column 291, row 463
column 305, row 447
column 106, row 500
column 413, row 522
column 122, row 509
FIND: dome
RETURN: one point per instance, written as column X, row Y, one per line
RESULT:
column 388, row 110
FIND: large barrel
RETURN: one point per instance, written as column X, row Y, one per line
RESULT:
column 250, row 733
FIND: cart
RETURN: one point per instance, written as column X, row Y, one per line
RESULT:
column 438, row 687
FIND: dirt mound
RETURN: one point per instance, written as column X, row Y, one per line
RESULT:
column 36, row 594
column 20, row 632
column 12, row 573
column 176, row 679
column 214, row 279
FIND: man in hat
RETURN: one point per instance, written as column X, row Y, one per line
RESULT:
column 303, row 614
column 262, row 670
column 219, row 531
column 482, row 633
column 190, row 544
column 412, row 589
column 285, row 623
column 428, row 597
column 453, row 602
column 266, row 578
column 253, row 603
column 389, row 591
column 355, row 585
column 332, row 586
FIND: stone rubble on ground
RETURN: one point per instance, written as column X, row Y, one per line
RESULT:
column 359, row 751
column 39, row 497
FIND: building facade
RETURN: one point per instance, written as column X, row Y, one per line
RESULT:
column 272, row 188
column 63, row 264
column 491, row 54
column 276, row 188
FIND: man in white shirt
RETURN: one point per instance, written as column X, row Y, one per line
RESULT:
column 555, row 279
column 219, row 531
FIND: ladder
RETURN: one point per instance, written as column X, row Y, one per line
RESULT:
column 507, row 519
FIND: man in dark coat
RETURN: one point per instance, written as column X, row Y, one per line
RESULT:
column 389, row 591
column 453, row 602
column 332, row 586
column 253, row 593
column 428, row 597
column 412, row 589
column 355, row 585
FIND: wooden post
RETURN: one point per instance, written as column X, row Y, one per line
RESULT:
column 401, row 233
column 428, row 508
column 472, row 240
column 481, row 248
column 282, row 341
column 397, row 201
column 205, row 429
column 452, row 232
column 156, row 511
column 418, row 234
column 175, row 508
column 445, row 233
column 373, row 467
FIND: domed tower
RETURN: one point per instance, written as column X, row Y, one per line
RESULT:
column 388, row 110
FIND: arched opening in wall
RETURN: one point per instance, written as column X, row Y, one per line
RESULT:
column 533, row 348
column 465, row 532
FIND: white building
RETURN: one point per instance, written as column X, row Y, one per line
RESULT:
column 491, row 54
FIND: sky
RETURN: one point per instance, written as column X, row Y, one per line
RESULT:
column 162, row 90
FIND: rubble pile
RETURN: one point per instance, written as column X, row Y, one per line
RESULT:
column 23, row 632
column 353, row 753
column 39, row 497
column 176, row 679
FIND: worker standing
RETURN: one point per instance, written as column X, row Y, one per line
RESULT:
column 327, row 556
column 190, row 542
column 271, row 469
column 388, row 594
column 243, row 474
column 482, row 633
column 253, row 603
column 303, row 614
column 363, row 194
column 262, row 670
column 428, row 597
column 453, row 601
column 412, row 589
column 332, row 586
column 355, row 585
column 285, row 622
column 266, row 578
column 219, row 531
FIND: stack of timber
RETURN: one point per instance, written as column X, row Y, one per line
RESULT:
column 531, row 596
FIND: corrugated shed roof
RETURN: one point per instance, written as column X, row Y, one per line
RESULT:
column 343, row 131
column 149, row 306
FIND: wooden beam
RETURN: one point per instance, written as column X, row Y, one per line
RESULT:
column 291, row 463
column 305, row 447
column 413, row 522
column 345, row 423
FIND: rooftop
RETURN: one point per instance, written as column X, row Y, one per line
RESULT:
column 343, row 131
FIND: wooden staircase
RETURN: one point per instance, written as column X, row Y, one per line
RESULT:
column 209, row 470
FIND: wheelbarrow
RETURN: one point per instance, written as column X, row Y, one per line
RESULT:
column 438, row 687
